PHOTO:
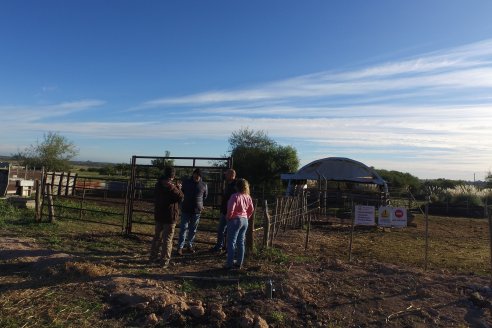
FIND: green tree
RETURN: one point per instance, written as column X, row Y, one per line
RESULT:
column 161, row 163
column 488, row 180
column 400, row 180
column 439, row 189
column 54, row 153
column 260, row 159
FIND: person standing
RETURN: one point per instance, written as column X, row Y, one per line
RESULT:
column 239, row 210
column 195, row 192
column 166, row 213
column 229, row 190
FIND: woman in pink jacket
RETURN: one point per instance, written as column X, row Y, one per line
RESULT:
column 239, row 210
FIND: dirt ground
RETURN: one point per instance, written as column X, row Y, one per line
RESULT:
column 317, row 287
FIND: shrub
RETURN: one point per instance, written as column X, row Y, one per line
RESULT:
column 466, row 199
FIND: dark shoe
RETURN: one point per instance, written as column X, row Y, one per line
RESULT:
column 180, row 252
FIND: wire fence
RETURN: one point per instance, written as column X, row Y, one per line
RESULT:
column 103, row 201
column 461, row 244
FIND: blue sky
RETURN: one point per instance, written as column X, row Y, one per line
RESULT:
column 398, row 85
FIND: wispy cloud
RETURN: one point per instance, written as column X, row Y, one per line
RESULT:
column 418, row 114
column 464, row 67
column 35, row 113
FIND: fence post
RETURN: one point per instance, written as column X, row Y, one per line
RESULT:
column 250, row 236
column 266, row 224
column 274, row 221
column 351, row 230
column 490, row 240
column 51, row 208
column 60, row 184
column 38, row 201
column 307, row 233
column 426, row 233
column 81, row 208
column 67, row 185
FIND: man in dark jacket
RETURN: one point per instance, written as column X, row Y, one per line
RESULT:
column 195, row 192
column 166, row 213
column 230, row 188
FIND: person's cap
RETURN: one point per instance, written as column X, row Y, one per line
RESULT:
column 198, row 172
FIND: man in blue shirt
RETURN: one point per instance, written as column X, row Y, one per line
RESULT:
column 195, row 192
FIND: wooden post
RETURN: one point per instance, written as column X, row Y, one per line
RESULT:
column 52, row 178
column 43, row 190
column 266, row 225
column 426, row 234
column 273, row 223
column 250, row 236
column 287, row 213
column 74, row 185
column 37, row 207
column 67, row 184
column 60, row 184
column 307, row 233
column 51, row 208
column 352, row 231
column 81, row 209
column 490, row 239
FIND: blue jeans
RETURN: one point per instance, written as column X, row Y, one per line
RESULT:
column 236, row 235
column 220, row 232
column 188, row 226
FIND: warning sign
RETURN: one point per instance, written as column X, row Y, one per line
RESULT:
column 384, row 216
column 389, row 216
column 365, row 215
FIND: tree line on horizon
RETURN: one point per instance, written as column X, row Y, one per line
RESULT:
column 257, row 157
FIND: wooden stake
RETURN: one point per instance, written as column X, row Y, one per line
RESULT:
column 250, row 235
column 266, row 225
column 352, row 232
column 490, row 240
column 37, row 208
column 426, row 234
column 51, row 208
column 307, row 233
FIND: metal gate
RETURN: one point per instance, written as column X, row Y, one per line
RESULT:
column 145, row 170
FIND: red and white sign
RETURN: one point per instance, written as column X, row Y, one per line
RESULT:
column 399, row 219
column 389, row 216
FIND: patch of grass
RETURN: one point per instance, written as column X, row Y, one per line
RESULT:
column 54, row 240
column 277, row 317
column 274, row 255
column 58, row 306
column 10, row 322
column 303, row 258
column 11, row 215
column 251, row 285
column 457, row 244
column 189, row 286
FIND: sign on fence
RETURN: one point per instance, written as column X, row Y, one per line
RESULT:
column 392, row 216
column 385, row 214
column 364, row 215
